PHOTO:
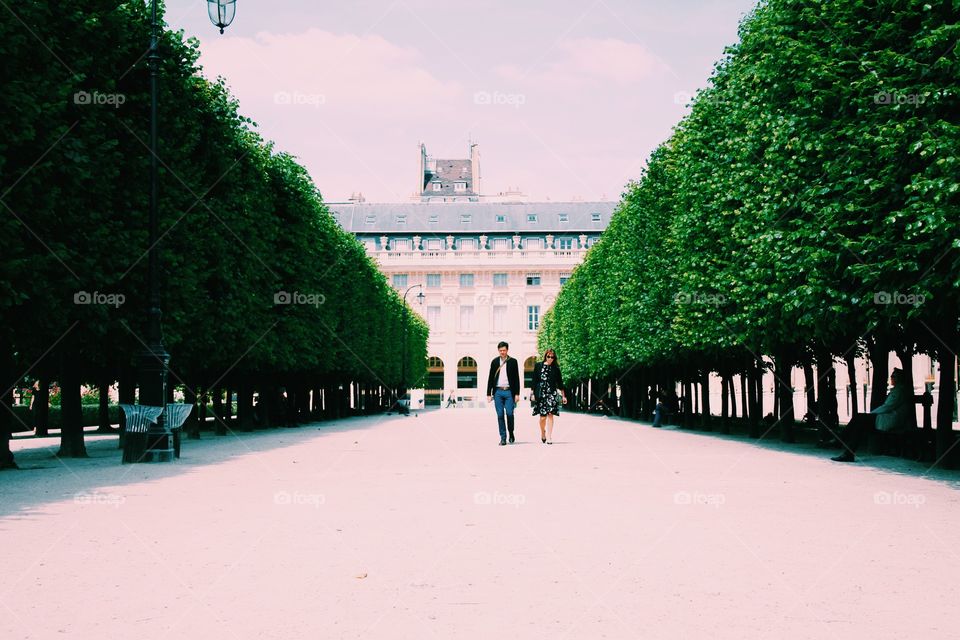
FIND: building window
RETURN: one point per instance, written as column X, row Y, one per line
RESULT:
column 466, row 317
column 501, row 244
column 595, row 217
column 433, row 244
column 437, row 186
column 563, row 278
column 467, row 244
column 499, row 280
column 433, row 317
column 401, row 244
column 533, row 279
column 459, row 186
column 501, row 219
column 564, row 217
column 402, row 218
column 531, row 217
column 371, row 218
column 466, row 280
column 400, row 280
column 434, row 218
column 433, row 281
column 465, row 218
column 533, row 243
column 533, row 317
column 499, row 318
column 565, row 244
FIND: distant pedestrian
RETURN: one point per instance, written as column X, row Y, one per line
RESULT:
column 892, row 415
column 503, row 390
column 451, row 401
column 547, row 386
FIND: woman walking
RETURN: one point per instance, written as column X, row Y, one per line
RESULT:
column 547, row 381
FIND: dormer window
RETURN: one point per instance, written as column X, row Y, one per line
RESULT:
column 371, row 218
column 437, row 186
column 434, row 219
column 595, row 217
column 501, row 219
column 564, row 217
column 466, row 218
column 531, row 217
column 402, row 218
column 459, row 186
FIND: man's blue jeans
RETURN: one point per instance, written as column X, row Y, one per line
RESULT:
column 504, row 404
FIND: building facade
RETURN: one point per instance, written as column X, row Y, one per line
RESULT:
column 489, row 268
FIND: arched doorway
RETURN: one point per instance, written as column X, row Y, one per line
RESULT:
column 433, row 385
column 467, row 378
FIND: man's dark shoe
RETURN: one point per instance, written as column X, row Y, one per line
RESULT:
column 511, row 438
column 844, row 457
column 503, row 442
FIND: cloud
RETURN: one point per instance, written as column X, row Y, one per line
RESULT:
column 583, row 61
column 338, row 72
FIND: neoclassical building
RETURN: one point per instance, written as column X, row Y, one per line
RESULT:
column 489, row 267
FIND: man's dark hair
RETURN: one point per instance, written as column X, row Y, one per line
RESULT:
column 502, row 345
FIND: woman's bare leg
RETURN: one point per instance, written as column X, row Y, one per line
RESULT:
column 549, row 428
column 543, row 434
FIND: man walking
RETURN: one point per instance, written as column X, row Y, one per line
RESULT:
column 503, row 389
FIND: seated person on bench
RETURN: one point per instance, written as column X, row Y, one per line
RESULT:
column 893, row 415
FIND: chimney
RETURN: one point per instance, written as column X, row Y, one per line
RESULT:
column 475, row 167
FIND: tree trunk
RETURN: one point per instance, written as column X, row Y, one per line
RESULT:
column 809, row 388
column 946, row 439
column 219, row 423
column 244, row 404
column 707, row 418
column 41, row 407
column 71, row 414
column 879, row 357
column 103, row 409
column 192, row 426
column 851, row 361
column 782, row 367
column 8, row 377
column 905, row 353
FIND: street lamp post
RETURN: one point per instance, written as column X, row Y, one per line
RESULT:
column 154, row 360
column 406, row 319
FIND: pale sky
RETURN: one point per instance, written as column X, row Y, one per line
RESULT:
column 566, row 99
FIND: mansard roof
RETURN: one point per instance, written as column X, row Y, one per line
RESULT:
column 473, row 217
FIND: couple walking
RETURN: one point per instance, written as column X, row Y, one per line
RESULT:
column 503, row 389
